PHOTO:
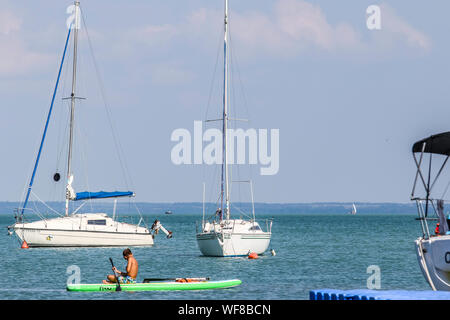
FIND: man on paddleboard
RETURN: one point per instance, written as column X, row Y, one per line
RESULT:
column 132, row 270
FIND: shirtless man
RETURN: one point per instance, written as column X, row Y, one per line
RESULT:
column 132, row 270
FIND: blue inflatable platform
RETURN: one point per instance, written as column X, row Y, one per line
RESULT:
column 365, row 294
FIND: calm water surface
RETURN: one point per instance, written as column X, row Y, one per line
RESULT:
column 313, row 251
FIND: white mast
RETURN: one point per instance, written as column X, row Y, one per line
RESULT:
column 75, row 26
column 203, row 217
column 225, row 116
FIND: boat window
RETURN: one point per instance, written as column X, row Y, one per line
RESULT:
column 98, row 222
column 254, row 228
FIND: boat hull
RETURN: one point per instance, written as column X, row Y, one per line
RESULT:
column 72, row 238
column 82, row 230
column 232, row 244
column 156, row 286
column 434, row 260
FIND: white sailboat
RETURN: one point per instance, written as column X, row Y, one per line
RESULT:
column 432, row 248
column 224, row 236
column 73, row 229
column 353, row 212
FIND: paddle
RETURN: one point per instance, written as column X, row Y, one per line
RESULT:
column 118, row 288
column 174, row 279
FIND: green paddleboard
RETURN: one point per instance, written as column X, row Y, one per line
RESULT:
column 156, row 286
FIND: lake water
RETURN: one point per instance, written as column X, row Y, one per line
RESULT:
column 313, row 251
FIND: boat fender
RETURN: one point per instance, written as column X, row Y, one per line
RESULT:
column 253, row 255
column 24, row 245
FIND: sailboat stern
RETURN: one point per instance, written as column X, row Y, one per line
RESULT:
column 233, row 238
column 232, row 245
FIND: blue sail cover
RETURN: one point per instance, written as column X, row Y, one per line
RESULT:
column 102, row 194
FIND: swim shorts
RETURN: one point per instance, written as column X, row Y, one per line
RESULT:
column 126, row 279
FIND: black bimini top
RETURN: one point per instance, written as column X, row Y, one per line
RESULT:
column 437, row 143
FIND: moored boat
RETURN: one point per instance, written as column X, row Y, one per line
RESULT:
column 433, row 247
column 71, row 228
column 222, row 236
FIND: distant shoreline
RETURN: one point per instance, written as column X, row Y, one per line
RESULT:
column 7, row 207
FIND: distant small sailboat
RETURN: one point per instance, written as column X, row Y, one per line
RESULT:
column 353, row 212
column 168, row 212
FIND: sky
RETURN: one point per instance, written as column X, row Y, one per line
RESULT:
column 348, row 102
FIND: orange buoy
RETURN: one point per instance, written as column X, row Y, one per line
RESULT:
column 24, row 245
column 253, row 255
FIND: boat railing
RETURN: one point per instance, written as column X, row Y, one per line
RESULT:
column 423, row 217
column 19, row 217
column 269, row 223
column 202, row 225
column 216, row 225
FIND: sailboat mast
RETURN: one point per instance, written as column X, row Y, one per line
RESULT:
column 72, row 106
column 225, row 118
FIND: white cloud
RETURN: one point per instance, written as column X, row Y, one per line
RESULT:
column 293, row 27
column 8, row 23
column 170, row 74
column 15, row 57
column 305, row 23
column 156, row 34
column 396, row 28
column 296, row 26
